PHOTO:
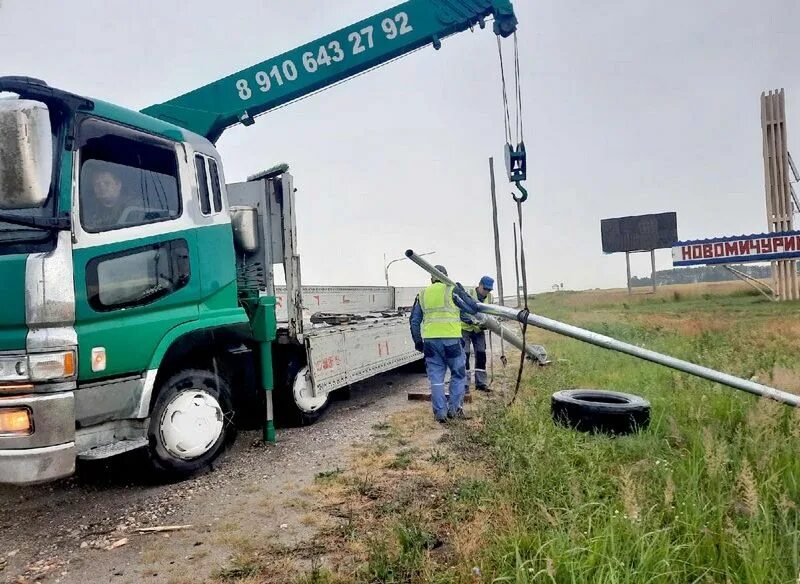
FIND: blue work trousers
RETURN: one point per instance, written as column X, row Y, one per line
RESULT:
column 476, row 339
column 441, row 355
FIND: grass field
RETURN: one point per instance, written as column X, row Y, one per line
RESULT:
column 708, row 493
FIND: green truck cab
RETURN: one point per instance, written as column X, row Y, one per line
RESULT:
column 121, row 304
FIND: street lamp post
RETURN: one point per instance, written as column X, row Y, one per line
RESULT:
column 386, row 266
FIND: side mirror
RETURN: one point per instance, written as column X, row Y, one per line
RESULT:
column 26, row 154
column 244, row 221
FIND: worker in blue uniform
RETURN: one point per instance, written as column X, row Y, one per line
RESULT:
column 436, row 330
column 474, row 334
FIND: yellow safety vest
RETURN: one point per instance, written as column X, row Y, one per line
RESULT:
column 441, row 318
column 475, row 328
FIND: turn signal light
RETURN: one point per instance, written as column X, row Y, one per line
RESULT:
column 50, row 366
column 15, row 422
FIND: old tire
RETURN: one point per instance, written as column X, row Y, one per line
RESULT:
column 594, row 410
column 191, row 423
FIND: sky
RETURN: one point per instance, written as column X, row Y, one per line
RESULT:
column 629, row 107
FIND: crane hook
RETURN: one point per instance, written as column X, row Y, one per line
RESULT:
column 524, row 192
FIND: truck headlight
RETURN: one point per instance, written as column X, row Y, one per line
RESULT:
column 15, row 422
column 51, row 366
column 13, row 368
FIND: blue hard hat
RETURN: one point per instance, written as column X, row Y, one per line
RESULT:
column 487, row 282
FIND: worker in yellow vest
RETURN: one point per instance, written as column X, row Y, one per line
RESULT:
column 436, row 330
column 474, row 335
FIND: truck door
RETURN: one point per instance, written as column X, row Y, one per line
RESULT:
column 135, row 251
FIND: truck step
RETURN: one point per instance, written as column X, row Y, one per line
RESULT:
column 108, row 450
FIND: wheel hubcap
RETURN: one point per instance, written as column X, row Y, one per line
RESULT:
column 192, row 423
column 304, row 395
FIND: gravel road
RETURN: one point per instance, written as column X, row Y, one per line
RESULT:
column 84, row 529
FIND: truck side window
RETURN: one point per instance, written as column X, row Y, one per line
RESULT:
column 127, row 178
column 202, row 184
column 215, row 184
column 137, row 276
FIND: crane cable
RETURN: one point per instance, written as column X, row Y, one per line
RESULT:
column 517, row 139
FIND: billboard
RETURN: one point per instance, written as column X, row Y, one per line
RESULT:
column 639, row 232
column 762, row 247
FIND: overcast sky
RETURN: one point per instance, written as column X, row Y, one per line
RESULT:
column 631, row 106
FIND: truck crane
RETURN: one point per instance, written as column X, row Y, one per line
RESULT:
column 379, row 39
column 139, row 308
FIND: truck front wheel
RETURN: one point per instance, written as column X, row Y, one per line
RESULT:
column 191, row 423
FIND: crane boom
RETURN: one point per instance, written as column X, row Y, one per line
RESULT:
column 240, row 97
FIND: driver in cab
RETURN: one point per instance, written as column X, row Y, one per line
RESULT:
column 104, row 205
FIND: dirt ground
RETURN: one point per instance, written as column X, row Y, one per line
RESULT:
column 84, row 529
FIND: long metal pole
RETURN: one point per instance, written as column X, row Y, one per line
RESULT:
column 496, row 234
column 516, row 265
column 628, row 264
column 653, row 268
column 534, row 352
column 599, row 340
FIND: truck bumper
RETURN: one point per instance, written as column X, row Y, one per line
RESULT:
column 49, row 451
column 36, row 465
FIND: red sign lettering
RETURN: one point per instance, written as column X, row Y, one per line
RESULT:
column 328, row 362
column 748, row 248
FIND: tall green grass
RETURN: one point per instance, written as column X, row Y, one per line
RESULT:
column 708, row 493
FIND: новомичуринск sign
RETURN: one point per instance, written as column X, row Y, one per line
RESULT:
column 737, row 249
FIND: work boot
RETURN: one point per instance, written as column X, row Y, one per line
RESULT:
column 442, row 420
column 459, row 415
column 483, row 388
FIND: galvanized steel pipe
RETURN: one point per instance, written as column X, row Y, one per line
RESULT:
column 534, row 352
column 614, row 345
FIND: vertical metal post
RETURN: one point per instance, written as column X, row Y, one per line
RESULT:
column 496, row 233
column 653, row 266
column 628, row 264
column 516, row 265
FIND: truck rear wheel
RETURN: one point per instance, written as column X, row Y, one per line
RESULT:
column 191, row 423
column 295, row 403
